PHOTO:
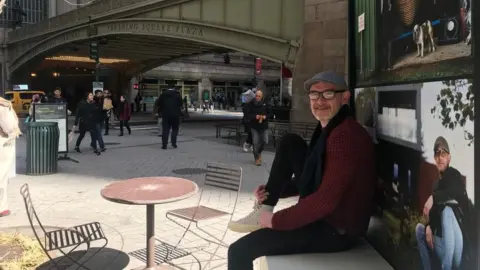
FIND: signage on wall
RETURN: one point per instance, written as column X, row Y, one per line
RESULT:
column 140, row 86
column 258, row 66
column 20, row 87
column 97, row 86
column 361, row 22
column 43, row 112
column 422, row 133
column 413, row 41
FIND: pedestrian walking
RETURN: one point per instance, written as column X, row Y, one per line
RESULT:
column 258, row 113
column 123, row 115
column 99, row 119
column 247, row 97
column 170, row 108
column 86, row 120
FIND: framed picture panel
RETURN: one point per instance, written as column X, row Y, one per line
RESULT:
column 403, row 41
column 424, row 135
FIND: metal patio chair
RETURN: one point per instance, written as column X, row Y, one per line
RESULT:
column 162, row 252
column 218, row 176
column 69, row 238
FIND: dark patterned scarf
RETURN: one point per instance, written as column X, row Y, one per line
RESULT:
column 312, row 175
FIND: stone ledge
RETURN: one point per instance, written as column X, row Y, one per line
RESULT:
column 363, row 256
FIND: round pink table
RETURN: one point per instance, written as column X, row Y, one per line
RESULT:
column 150, row 191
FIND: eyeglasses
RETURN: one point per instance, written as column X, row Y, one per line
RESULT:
column 440, row 153
column 326, row 95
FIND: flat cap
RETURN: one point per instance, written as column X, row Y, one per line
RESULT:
column 327, row 77
column 441, row 144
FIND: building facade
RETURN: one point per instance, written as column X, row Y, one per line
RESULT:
column 194, row 75
column 26, row 11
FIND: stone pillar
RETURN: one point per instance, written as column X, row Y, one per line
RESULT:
column 324, row 47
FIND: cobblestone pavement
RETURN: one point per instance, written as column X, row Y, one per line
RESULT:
column 72, row 196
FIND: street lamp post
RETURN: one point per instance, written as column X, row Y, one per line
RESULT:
column 97, row 70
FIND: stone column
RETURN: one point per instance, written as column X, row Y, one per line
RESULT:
column 324, row 47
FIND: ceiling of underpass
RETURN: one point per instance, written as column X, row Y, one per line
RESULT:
column 140, row 49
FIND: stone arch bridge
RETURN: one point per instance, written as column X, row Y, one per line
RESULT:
column 150, row 33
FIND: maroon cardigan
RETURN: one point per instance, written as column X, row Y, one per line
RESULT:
column 125, row 112
column 345, row 198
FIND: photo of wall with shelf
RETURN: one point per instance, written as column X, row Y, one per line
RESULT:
column 424, row 136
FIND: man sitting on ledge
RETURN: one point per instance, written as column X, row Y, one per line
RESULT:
column 334, row 176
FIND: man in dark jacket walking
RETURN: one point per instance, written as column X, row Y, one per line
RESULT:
column 170, row 109
column 257, row 113
column 86, row 119
column 99, row 119
column 57, row 97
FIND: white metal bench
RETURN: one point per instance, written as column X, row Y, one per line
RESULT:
column 363, row 256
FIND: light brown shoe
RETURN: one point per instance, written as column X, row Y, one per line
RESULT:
column 258, row 162
column 250, row 222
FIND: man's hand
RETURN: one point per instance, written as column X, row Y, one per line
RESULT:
column 429, row 236
column 260, row 193
column 266, row 219
column 428, row 206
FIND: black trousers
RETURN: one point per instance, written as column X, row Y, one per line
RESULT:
column 249, row 133
column 107, row 124
column 317, row 237
column 83, row 128
column 168, row 123
column 124, row 123
column 289, row 160
column 249, row 138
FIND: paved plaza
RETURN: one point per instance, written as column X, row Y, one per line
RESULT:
column 72, row 196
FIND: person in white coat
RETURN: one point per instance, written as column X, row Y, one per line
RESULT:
column 9, row 131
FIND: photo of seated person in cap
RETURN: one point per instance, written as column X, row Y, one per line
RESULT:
column 447, row 210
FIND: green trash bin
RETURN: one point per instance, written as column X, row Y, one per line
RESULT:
column 42, row 148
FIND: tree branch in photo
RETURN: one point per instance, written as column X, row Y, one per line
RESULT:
column 455, row 106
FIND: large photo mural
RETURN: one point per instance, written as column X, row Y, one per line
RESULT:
column 412, row 40
column 424, row 135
